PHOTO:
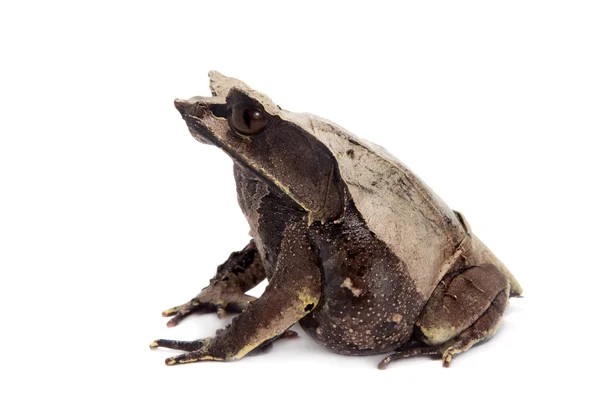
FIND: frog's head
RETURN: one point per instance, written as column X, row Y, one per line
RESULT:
column 275, row 144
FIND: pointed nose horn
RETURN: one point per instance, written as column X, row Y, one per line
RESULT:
column 183, row 106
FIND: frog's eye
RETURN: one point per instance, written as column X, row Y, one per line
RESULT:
column 246, row 119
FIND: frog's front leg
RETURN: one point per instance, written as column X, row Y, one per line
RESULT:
column 242, row 271
column 292, row 293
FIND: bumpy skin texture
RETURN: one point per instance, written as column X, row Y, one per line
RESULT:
column 369, row 304
column 355, row 246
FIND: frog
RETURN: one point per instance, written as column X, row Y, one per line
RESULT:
column 355, row 247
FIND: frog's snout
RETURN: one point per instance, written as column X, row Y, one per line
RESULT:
column 199, row 107
column 191, row 107
column 182, row 106
column 206, row 117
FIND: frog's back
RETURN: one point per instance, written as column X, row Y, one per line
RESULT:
column 396, row 205
column 403, row 211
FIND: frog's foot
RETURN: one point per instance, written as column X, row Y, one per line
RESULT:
column 412, row 352
column 465, row 308
column 199, row 350
column 242, row 271
column 211, row 299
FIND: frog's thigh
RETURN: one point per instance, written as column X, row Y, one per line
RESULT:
column 483, row 328
column 464, row 309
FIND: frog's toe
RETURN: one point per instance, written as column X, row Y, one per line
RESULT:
column 416, row 351
column 180, row 312
column 198, row 350
column 202, row 354
column 172, row 311
column 178, row 344
column 194, row 356
column 201, row 305
column 446, row 359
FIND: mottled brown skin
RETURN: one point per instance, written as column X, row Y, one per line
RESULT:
column 468, row 305
column 370, row 304
column 293, row 292
column 356, row 320
column 326, row 268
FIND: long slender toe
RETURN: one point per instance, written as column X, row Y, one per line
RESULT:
column 417, row 351
column 178, row 344
column 447, row 359
column 194, row 356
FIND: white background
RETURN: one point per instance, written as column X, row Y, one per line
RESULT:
column 110, row 212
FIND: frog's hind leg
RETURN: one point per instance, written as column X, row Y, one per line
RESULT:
column 464, row 309
column 482, row 329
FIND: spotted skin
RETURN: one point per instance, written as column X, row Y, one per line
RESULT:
column 355, row 246
column 369, row 304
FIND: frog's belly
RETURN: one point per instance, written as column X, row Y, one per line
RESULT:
column 371, row 323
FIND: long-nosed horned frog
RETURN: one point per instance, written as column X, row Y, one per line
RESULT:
column 356, row 248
